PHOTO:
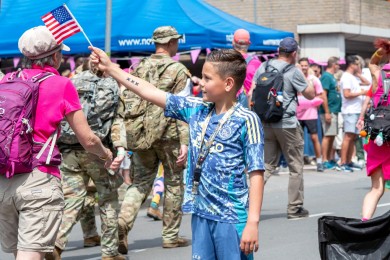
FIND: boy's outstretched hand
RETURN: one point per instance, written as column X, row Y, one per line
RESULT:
column 99, row 59
column 250, row 238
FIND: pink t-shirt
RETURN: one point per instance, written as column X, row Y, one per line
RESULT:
column 379, row 92
column 251, row 68
column 57, row 98
column 308, row 109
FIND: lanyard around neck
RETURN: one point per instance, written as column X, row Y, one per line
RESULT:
column 205, row 147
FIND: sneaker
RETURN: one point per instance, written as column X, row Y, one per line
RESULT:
column 362, row 163
column 320, row 167
column 276, row 171
column 313, row 162
column 154, row 213
column 306, row 160
column 346, row 168
column 92, row 241
column 123, row 247
column 337, row 167
column 283, row 169
column 181, row 242
column 387, row 185
column 328, row 165
column 355, row 166
column 301, row 213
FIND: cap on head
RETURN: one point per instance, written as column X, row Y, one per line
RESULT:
column 241, row 36
column 164, row 34
column 38, row 42
column 386, row 67
column 288, row 45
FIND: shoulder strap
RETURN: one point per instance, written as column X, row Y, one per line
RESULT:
column 283, row 70
column 248, row 59
column 287, row 68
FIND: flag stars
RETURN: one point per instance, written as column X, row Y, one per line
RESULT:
column 61, row 15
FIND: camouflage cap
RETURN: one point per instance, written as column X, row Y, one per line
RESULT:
column 164, row 34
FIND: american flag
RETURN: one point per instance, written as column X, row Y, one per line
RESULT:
column 61, row 23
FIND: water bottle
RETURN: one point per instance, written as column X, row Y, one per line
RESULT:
column 279, row 96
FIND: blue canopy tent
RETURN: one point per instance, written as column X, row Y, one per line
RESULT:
column 133, row 22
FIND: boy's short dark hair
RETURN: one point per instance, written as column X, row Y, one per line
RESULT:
column 229, row 63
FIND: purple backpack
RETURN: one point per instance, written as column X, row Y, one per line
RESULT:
column 18, row 102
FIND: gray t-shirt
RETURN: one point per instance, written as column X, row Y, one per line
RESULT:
column 293, row 79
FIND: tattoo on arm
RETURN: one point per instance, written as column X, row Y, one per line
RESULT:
column 132, row 81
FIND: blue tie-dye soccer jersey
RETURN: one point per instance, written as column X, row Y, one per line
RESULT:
column 223, row 191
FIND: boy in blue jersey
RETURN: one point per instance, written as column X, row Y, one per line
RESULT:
column 226, row 140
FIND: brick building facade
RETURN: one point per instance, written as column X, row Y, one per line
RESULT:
column 325, row 28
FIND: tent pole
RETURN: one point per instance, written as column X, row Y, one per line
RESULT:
column 107, row 43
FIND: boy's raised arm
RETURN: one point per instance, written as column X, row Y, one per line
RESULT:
column 144, row 89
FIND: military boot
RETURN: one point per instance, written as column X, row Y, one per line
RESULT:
column 55, row 255
column 92, row 241
column 154, row 213
column 122, row 235
column 181, row 242
column 117, row 257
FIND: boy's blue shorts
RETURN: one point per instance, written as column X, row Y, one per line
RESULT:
column 216, row 240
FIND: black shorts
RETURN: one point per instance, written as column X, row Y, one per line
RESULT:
column 311, row 125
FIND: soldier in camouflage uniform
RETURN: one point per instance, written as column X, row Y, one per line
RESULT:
column 78, row 166
column 87, row 218
column 171, row 148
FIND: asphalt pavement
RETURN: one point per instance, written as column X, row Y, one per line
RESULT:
column 328, row 193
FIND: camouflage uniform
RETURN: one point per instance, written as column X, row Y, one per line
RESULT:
column 87, row 218
column 77, row 168
column 144, row 163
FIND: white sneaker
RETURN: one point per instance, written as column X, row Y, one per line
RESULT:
column 362, row 163
column 284, row 169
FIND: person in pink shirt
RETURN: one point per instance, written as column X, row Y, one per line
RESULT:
column 241, row 43
column 378, row 156
column 32, row 202
column 307, row 110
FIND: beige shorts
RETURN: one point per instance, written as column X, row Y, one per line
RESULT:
column 31, row 207
column 332, row 128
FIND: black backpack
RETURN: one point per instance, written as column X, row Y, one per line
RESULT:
column 267, row 97
column 377, row 119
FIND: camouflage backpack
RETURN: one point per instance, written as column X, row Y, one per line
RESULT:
column 145, row 123
column 99, row 99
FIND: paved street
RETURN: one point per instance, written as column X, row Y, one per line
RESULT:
column 329, row 193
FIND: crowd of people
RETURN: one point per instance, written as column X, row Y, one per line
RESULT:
column 142, row 130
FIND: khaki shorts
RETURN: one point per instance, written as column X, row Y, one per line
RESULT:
column 332, row 128
column 31, row 207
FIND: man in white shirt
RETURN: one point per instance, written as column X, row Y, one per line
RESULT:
column 350, row 108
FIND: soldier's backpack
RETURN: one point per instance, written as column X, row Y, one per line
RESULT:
column 99, row 98
column 267, row 98
column 145, row 123
column 377, row 119
column 18, row 102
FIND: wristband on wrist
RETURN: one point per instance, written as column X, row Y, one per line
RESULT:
column 121, row 152
column 376, row 54
column 361, row 117
column 105, row 158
